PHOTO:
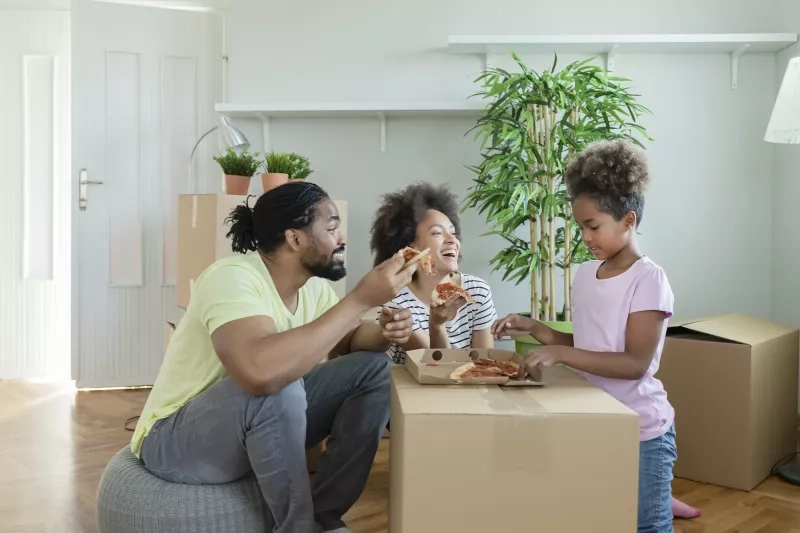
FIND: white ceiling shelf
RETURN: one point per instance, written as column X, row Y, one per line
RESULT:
column 734, row 44
column 600, row 44
column 377, row 110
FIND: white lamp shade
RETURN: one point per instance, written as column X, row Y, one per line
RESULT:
column 229, row 136
column 784, row 125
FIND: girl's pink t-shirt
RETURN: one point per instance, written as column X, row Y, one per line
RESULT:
column 600, row 317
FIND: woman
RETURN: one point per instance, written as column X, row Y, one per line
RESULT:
column 426, row 216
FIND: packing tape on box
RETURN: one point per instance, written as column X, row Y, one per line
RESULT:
column 519, row 433
column 194, row 211
column 510, row 401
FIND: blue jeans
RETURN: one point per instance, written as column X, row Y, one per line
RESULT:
column 225, row 434
column 656, row 459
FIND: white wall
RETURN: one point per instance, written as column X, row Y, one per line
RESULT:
column 35, row 232
column 708, row 160
column 785, row 304
column 786, row 192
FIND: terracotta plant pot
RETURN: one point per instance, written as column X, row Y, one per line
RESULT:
column 270, row 180
column 237, row 185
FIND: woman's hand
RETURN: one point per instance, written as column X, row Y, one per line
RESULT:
column 512, row 326
column 443, row 313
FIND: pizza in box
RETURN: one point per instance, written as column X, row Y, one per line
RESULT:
column 468, row 367
column 485, row 368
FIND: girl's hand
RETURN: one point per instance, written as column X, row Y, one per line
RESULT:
column 512, row 326
column 443, row 313
column 544, row 357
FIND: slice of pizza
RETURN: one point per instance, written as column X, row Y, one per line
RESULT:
column 461, row 371
column 446, row 290
column 485, row 368
column 503, row 368
column 426, row 264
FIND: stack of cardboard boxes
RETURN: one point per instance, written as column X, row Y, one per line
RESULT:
column 564, row 457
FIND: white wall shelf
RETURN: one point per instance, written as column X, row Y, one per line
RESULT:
column 734, row 44
column 380, row 111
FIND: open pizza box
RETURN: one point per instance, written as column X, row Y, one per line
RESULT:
column 434, row 367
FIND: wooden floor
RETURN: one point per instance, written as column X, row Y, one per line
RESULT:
column 54, row 444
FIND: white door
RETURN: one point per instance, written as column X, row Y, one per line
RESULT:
column 143, row 92
column 35, row 199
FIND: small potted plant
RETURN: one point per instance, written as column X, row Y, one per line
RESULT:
column 238, row 169
column 277, row 168
column 301, row 167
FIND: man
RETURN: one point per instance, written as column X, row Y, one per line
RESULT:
column 241, row 388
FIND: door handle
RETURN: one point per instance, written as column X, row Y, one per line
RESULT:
column 83, row 182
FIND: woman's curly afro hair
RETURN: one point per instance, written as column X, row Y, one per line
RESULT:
column 395, row 224
column 614, row 173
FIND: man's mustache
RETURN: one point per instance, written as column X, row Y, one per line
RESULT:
column 339, row 250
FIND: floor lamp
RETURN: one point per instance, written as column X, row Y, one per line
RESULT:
column 229, row 136
column 784, row 128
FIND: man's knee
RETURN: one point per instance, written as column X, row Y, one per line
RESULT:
column 289, row 403
column 375, row 364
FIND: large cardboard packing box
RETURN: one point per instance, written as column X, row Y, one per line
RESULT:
column 732, row 380
column 560, row 458
column 202, row 237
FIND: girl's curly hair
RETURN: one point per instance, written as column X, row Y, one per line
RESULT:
column 395, row 224
column 614, row 173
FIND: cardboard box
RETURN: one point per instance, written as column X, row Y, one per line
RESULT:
column 202, row 238
column 732, row 380
column 433, row 367
column 561, row 458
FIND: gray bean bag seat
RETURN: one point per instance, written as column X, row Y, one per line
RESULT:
column 132, row 500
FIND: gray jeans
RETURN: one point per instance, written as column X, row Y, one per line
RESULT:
column 225, row 433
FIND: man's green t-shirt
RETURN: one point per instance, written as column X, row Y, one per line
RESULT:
column 232, row 288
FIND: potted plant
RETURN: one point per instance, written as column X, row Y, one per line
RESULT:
column 277, row 167
column 532, row 125
column 281, row 167
column 301, row 167
column 238, row 169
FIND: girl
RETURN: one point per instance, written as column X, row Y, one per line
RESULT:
column 621, row 304
column 425, row 216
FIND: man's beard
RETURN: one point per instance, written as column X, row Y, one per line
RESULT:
column 324, row 267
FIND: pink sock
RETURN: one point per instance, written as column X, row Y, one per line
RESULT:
column 682, row 510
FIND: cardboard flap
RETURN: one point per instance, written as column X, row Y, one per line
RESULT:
column 733, row 327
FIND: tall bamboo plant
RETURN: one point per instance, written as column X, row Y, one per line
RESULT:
column 532, row 125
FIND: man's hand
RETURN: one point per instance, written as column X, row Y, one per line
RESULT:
column 383, row 282
column 544, row 357
column 396, row 324
column 444, row 313
column 512, row 326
